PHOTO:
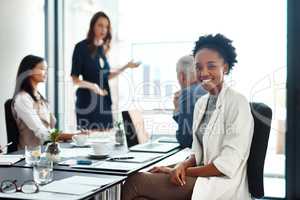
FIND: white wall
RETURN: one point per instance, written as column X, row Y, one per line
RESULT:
column 21, row 33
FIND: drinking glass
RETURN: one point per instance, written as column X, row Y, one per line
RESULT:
column 43, row 171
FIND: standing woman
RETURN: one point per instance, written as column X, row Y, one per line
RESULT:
column 93, row 103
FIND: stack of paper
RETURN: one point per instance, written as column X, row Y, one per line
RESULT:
column 10, row 159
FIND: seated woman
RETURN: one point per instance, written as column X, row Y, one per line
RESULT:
column 30, row 109
column 222, row 135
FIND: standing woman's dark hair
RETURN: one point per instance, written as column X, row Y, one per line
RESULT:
column 91, row 34
column 24, row 73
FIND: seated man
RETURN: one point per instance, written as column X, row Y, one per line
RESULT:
column 185, row 99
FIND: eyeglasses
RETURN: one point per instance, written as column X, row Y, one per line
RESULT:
column 10, row 186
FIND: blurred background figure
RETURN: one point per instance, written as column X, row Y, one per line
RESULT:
column 93, row 103
column 185, row 99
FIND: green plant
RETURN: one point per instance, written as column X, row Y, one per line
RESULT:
column 54, row 134
column 118, row 124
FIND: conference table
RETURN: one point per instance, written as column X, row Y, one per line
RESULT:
column 111, row 190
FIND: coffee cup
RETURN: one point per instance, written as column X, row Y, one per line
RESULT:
column 100, row 147
column 79, row 140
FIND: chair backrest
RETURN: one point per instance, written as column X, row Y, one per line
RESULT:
column 262, row 115
column 11, row 127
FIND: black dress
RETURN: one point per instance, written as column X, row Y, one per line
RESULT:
column 93, row 111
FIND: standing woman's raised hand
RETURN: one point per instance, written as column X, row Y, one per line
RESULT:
column 132, row 64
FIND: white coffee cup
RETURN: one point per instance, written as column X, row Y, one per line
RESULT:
column 79, row 140
column 100, row 147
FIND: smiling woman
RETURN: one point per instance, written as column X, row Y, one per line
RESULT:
column 214, row 57
column 222, row 135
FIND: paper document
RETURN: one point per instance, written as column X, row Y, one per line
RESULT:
column 10, row 159
column 76, row 185
column 68, row 188
column 110, row 166
column 93, row 181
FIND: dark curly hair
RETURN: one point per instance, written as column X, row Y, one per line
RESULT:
column 219, row 43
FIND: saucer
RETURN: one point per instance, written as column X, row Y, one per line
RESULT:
column 98, row 156
column 76, row 145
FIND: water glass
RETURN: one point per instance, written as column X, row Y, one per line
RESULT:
column 32, row 154
column 43, row 171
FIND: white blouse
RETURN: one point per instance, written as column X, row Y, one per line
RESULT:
column 35, row 115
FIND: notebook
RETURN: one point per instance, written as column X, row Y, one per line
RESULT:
column 6, row 160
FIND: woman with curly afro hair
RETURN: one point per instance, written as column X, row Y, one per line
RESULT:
column 222, row 135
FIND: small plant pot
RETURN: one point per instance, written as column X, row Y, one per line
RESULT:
column 53, row 152
column 119, row 137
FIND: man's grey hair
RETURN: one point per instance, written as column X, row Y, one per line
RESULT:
column 186, row 65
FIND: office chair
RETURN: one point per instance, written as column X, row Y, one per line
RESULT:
column 11, row 127
column 262, row 115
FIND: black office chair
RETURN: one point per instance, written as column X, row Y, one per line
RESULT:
column 11, row 127
column 262, row 115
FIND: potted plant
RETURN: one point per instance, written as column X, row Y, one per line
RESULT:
column 52, row 148
column 119, row 133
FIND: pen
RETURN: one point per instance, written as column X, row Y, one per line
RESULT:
column 121, row 158
column 5, row 146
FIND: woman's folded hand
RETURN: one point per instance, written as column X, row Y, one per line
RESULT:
column 178, row 175
column 161, row 169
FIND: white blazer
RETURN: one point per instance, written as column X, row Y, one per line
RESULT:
column 226, row 144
